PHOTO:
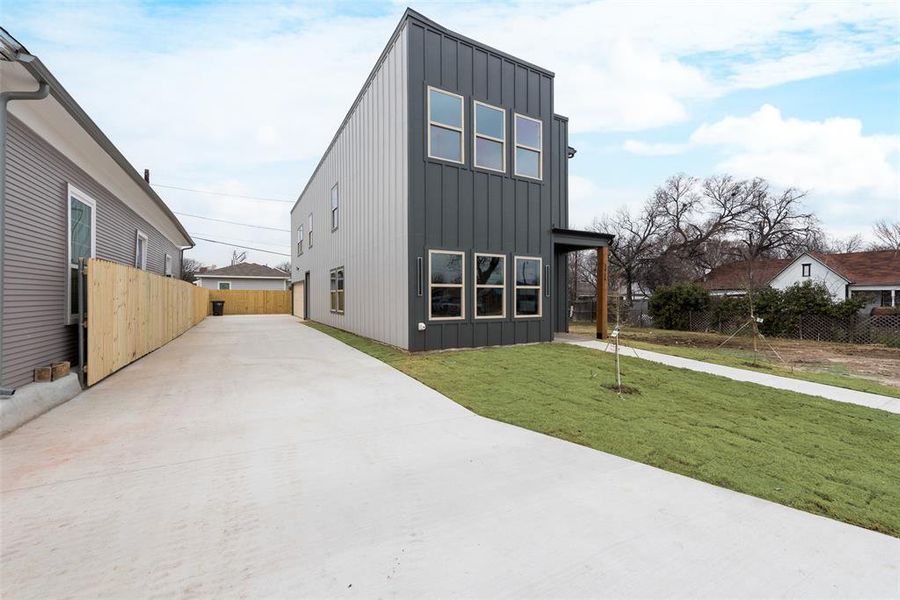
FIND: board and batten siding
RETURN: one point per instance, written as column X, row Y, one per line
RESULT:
column 35, row 250
column 462, row 208
column 368, row 160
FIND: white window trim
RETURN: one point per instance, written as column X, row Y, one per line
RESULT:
column 309, row 233
column 335, row 207
column 461, row 130
column 167, row 266
column 332, row 292
column 462, row 286
column 71, row 191
column 487, row 285
column 476, row 135
column 220, row 288
column 300, row 240
column 517, row 145
column 517, row 287
column 138, row 236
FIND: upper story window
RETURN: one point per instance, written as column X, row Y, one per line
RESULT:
column 528, row 286
column 300, row 240
column 140, row 250
column 807, row 269
column 529, row 138
column 310, row 229
column 334, row 207
column 446, row 130
column 490, row 137
column 446, row 274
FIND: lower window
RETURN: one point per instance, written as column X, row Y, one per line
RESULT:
column 490, row 286
column 446, row 274
column 528, row 286
column 337, row 290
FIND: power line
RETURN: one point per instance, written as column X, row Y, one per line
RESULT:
column 184, row 189
column 196, row 237
column 231, row 222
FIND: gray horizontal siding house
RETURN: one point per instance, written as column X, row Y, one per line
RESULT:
column 438, row 216
column 243, row 276
column 66, row 193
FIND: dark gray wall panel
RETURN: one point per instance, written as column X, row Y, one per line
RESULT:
column 458, row 207
column 35, row 252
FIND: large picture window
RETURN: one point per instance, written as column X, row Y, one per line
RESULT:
column 446, row 130
column 490, row 286
column 337, row 290
column 529, row 136
column 82, row 242
column 446, row 277
column 334, row 207
column 490, row 137
column 528, row 286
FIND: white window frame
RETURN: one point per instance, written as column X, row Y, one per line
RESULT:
column 517, row 287
column 476, row 135
column 300, row 240
column 72, row 191
column 461, row 129
column 309, row 233
column 487, row 285
column 462, row 286
column 167, row 269
column 334, row 203
column 517, row 145
column 138, row 236
column 337, row 294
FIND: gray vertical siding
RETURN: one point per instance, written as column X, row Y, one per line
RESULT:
column 456, row 207
column 368, row 160
column 238, row 283
column 35, row 253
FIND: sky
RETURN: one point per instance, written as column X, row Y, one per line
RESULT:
column 242, row 98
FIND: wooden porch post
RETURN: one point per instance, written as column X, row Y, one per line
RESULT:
column 602, row 292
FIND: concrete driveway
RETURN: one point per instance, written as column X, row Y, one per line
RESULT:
column 256, row 457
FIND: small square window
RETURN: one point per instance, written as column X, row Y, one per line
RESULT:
column 807, row 269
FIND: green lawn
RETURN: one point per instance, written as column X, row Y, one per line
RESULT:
column 747, row 359
column 824, row 457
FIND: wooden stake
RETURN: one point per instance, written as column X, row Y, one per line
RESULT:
column 602, row 292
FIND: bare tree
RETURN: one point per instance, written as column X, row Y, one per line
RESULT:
column 284, row 266
column 887, row 235
column 189, row 268
column 775, row 224
column 238, row 256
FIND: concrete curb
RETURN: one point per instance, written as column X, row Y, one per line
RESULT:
column 35, row 399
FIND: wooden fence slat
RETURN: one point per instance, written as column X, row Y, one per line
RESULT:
column 131, row 312
column 253, row 302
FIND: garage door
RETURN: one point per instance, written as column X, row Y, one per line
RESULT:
column 298, row 299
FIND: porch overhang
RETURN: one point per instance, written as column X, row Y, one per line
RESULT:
column 571, row 240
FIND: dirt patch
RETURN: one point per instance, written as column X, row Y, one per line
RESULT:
column 623, row 390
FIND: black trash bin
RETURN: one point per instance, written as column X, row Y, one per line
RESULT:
column 218, row 307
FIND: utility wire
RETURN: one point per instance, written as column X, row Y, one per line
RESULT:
column 202, row 233
column 196, row 237
column 231, row 222
column 184, row 189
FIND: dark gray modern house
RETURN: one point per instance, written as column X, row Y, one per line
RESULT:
column 438, row 216
column 66, row 193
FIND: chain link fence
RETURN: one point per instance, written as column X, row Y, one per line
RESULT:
column 854, row 329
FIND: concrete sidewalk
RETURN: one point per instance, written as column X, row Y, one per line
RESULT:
column 256, row 457
column 775, row 381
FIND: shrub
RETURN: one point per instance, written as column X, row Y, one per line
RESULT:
column 670, row 304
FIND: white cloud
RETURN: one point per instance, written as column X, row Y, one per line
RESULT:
column 653, row 149
column 831, row 156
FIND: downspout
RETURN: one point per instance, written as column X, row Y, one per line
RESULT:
column 6, row 97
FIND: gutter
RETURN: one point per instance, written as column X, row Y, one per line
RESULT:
column 5, row 98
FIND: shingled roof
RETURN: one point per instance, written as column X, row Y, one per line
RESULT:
column 875, row 267
column 744, row 275
column 246, row 269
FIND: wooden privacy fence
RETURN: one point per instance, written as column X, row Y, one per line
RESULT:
column 253, row 302
column 131, row 313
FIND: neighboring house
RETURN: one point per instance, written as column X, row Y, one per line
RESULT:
column 438, row 216
column 66, row 193
column 244, row 276
column 873, row 275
